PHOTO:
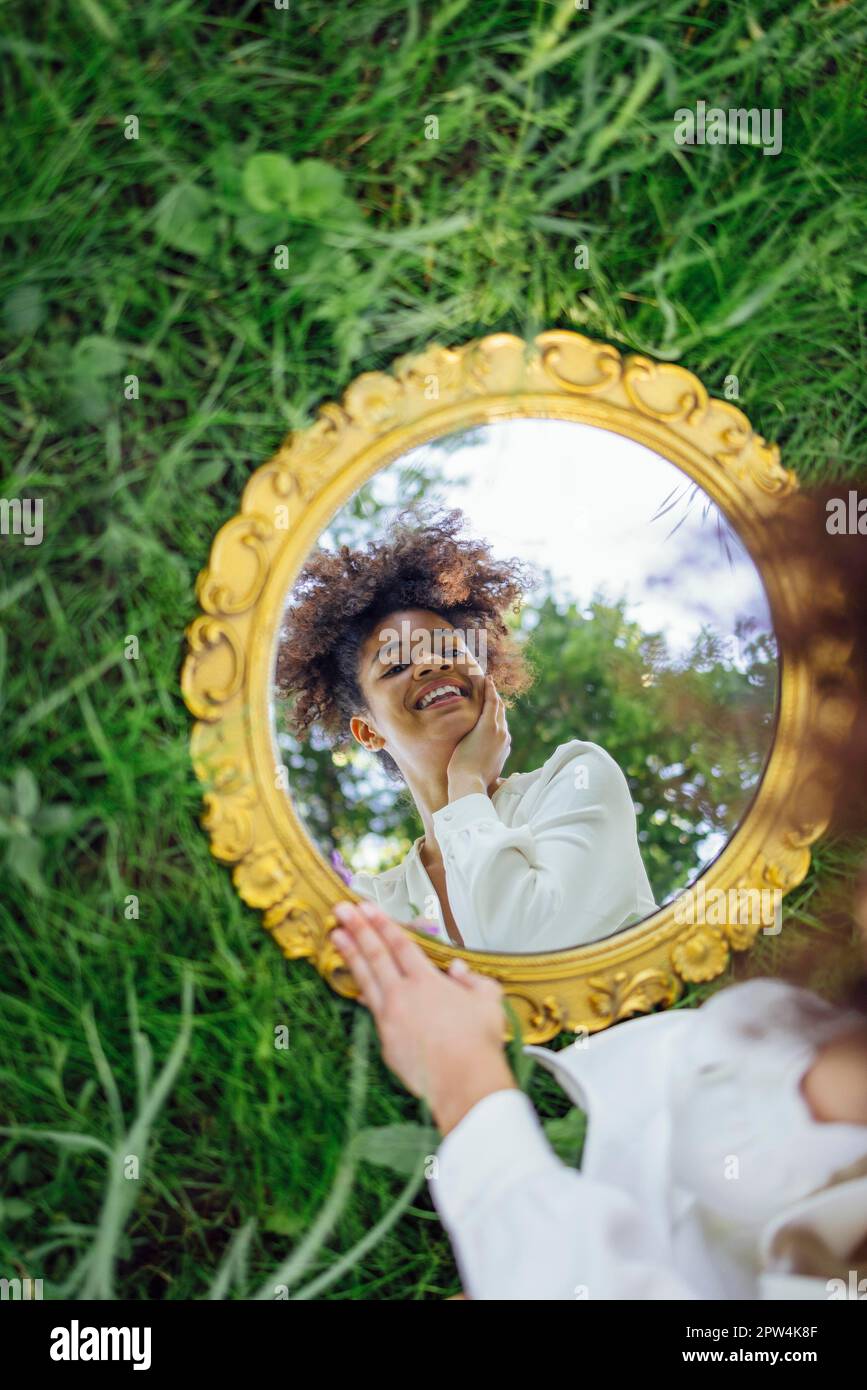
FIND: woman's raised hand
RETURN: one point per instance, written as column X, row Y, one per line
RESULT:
column 479, row 757
column 442, row 1033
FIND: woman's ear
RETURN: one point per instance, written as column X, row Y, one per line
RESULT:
column 365, row 734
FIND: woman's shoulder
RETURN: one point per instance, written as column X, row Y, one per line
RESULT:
column 365, row 882
column 579, row 750
column 766, row 1006
column 566, row 753
column 587, row 766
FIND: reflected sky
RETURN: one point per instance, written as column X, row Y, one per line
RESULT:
column 603, row 513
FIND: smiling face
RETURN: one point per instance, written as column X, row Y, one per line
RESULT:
column 422, row 692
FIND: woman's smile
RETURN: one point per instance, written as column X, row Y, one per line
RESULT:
column 441, row 692
column 449, row 699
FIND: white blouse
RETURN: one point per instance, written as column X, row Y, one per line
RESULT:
column 551, row 860
column 700, row 1148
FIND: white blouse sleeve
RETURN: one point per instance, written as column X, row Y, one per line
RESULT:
column 364, row 885
column 566, row 877
column 525, row 1226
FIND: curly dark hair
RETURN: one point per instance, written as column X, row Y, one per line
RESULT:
column 340, row 596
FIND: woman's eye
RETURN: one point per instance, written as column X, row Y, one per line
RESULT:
column 401, row 666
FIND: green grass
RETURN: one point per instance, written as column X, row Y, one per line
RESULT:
column 554, row 129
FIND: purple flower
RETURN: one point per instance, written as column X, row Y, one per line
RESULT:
column 340, row 866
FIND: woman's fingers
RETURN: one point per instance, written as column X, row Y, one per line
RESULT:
column 370, row 991
column 379, row 952
column 480, row 984
column 460, row 972
column 491, row 700
column 376, row 952
column 406, row 953
column 410, row 958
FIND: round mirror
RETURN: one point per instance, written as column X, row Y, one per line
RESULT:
column 630, row 705
column 491, row 643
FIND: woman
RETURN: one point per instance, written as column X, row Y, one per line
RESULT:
column 727, row 1145
column 383, row 645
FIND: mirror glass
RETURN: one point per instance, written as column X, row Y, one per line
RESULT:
column 629, row 643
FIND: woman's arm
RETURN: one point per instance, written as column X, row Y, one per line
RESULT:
column 522, row 1224
column 566, row 877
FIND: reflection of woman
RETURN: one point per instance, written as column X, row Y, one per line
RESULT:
column 726, row 1154
column 535, row 861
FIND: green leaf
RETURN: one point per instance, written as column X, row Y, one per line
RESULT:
column 402, row 1148
column 320, row 189
column 284, row 1223
column 209, row 473
column 97, row 357
column 24, row 856
column 226, row 163
column 521, row 1062
column 23, row 309
column 88, row 400
column 566, row 1134
column 184, row 219
column 270, row 183
column 79, row 1142
column 19, row 1168
column 52, row 818
column 101, row 22
column 259, row 232
column 14, row 1209
column 26, row 792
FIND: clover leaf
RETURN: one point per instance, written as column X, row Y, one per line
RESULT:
column 184, row 219
column 24, row 821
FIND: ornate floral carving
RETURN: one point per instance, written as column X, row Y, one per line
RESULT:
column 242, row 537
column 229, row 822
column 298, row 929
column 207, row 683
column 700, row 955
column 690, row 397
column 543, row 1016
column 606, row 362
column 622, row 992
column 263, row 877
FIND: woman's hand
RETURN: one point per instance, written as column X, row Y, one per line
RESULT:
column 441, row 1034
column 479, row 756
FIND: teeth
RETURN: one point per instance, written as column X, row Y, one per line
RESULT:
column 439, row 690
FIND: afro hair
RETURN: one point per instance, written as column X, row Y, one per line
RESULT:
column 340, row 596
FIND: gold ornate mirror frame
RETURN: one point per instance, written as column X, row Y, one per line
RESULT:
column 287, row 503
